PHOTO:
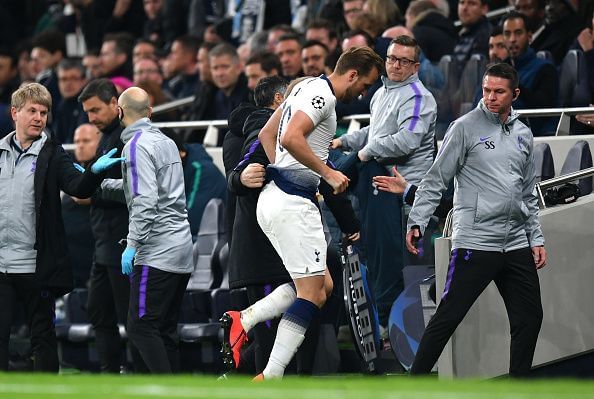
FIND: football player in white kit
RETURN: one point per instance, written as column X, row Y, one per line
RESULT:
column 296, row 139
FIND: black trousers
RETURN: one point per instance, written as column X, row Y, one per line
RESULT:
column 469, row 273
column 107, row 305
column 155, row 301
column 40, row 309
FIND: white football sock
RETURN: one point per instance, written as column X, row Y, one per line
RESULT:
column 270, row 307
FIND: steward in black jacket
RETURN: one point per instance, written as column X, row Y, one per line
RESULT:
column 54, row 172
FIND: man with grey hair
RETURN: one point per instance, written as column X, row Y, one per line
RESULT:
column 158, row 256
column 34, row 264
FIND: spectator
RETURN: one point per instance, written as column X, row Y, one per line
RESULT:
column 276, row 32
column 121, row 83
column 229, row 80
column 313, row 58
column 356, row 38
column 261, row 65
column 9, row 75
column 427, row 23
column 203, row 107
column 539, row 81
column 143, row 49
column 92, row 64
column 585, row 41
column 350, row 9
column 76, row 214
column 116, row 55
column 106, row 17
column 386, row 12
column 182, row 66
column 562, row 26
column 9, row 82
column 323, row 31
column 153, row 25
column 25, row 67
column 147, row 69
column 49, row 48
column 288, row 50
column 473, row 38
column 69, row 112
column 498, row 50
column 535, row 11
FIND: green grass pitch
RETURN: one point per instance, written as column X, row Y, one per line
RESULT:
column 17, row 386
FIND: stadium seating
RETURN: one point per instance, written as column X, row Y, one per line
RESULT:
column 76, row 335
column 470, row 81
column 443, row 97
column 543, row 162
column 207, row 296
column 579, row 157
column 545, row 55
column 573, row 84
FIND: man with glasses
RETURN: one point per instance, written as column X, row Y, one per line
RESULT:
column 401, row 133
column 69, row 113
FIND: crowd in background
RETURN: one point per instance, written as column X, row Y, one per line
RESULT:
column 218, row 52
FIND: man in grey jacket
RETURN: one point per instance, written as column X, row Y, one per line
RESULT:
column 158, row 255
column 497, row 234
column 401, row 132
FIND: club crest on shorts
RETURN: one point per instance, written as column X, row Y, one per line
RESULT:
column 318, row 102
column 317, row 255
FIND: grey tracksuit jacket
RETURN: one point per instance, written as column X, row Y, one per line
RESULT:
column 17, row 205
column 401, row 129
column 495, row 206
column 153, row 182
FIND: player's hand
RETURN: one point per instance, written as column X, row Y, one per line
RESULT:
column 393, row 184
column 412, row 237
column 81, row 201
column 336, row 180
column 540, row 257
column 336, row 143
column 586, row 39
column 354, row 237
column 253, row 175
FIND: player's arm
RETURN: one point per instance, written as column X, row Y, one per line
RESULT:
column 294, row 141
column 267, row 135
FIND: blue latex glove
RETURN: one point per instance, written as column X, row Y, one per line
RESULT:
column 106, row 161
column 128, row 260
column 78, row 167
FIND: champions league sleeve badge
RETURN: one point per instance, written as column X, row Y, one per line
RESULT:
column 318, row 102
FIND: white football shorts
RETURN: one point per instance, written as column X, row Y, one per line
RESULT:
column 293, row 225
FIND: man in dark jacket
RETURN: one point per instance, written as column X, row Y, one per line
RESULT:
column 34, row 262
column 539, row 81
column 108, row 288
column 69, row 113
column 474, row 35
